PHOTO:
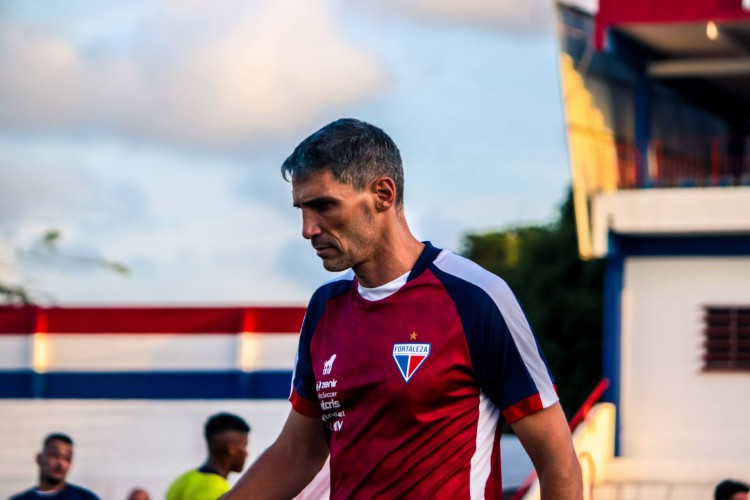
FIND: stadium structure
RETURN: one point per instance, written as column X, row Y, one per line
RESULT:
column 657, row 107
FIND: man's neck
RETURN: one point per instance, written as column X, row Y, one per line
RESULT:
column 392, row 259
column 215, row 466
column 47, row 487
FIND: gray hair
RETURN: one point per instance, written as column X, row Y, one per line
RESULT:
column 355, row 151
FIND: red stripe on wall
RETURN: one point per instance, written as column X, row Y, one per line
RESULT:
column 146, row 320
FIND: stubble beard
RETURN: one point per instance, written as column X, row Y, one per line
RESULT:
column 361, row 242
column 344, row 261
column 53, row 480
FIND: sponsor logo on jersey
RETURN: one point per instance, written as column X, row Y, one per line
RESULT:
column 326, row 384
column 328, row 365
column 330, row 405
column 409, row 357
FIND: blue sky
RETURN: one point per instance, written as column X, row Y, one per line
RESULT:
column 152, row 133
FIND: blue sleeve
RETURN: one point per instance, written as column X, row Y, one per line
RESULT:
column 304, row 396
column 508, row 364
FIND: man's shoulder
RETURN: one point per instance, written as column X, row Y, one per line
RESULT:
column 197, row 476
column 464, row 272
column 24, row 495
column 71, row 492
column 176, row 486
column 197, row 485
column 332, row 288
column 342, row 281
column 185, row 475
column 75, row 491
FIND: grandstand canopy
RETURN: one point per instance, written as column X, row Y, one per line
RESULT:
column 700, row 45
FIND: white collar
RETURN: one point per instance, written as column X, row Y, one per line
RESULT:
column 383, row 291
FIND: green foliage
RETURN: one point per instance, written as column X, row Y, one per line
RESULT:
column 51, row 238
column 15, row 295
column 561, row 295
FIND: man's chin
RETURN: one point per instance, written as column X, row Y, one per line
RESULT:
column 55, row 480
column 335, row 266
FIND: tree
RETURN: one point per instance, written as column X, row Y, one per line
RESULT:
column 48, row 249
column 561, row 295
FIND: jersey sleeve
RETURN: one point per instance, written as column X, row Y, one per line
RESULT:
column 304, row 397
column 508, row 364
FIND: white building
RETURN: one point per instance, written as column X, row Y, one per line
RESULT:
column 657, row 103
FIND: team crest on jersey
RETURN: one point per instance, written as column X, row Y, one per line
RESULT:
column 409, row 357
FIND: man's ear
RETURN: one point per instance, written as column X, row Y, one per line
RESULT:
column 38, row 459
column 385, row 192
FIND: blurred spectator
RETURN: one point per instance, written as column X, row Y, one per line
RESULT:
column 138, row 494
column 226, row 438
column 54, row 463
column 731, row 490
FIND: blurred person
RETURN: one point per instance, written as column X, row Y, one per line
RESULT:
column 226, row 439
column 731, row 490
column 54, row 463
column 409, row 362
column 138, row 494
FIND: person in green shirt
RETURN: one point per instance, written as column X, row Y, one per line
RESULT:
column 226, row 438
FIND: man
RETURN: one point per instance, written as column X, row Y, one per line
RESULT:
column 54, row 464
column 226, row 439
column 407, row 362
column 731, row 490
column 138, row 494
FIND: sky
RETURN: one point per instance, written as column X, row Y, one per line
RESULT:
column 151, row 133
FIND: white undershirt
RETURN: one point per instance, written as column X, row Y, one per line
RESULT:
column 383, row 291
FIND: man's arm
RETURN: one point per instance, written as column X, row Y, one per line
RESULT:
column 546, row 438
column 288, row 465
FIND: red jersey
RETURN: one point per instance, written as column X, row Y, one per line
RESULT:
column 412, row 379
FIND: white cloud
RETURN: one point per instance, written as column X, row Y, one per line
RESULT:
column 213, row 80
column 528, row 16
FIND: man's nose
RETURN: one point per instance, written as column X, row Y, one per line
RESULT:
column 310, row 226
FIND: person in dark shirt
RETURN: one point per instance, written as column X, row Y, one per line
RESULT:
column 730, row 489
column 54, row 463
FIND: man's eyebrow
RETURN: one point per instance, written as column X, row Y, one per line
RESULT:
column 314, row 202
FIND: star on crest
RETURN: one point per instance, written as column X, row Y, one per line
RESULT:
column 413, row 336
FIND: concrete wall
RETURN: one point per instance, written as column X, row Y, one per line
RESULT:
column 660, row 212
column 670, row 409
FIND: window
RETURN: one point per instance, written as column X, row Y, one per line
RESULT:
column 727, row 338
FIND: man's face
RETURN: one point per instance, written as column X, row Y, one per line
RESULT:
column 138, row 494
column 237, row 446
column 54, row 462
column 338, row 221
column 740, row 496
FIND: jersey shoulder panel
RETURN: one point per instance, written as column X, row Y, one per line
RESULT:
column 303, row 395
column 508, row 362
column 324, row 293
